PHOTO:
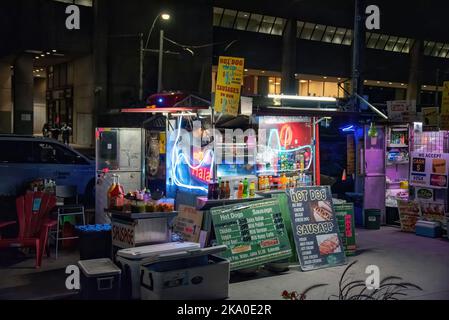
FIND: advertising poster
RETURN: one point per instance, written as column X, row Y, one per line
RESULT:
column 315, row 227
column 430, row 118
column 409, row 214
column 433, row 211
column 188, row 223
column 424, row 194
column 254, row 233
column 345, row 218
column 429, row 170
column 228, row 85
column 401, row 110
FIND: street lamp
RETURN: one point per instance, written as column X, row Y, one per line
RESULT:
column 164, row 16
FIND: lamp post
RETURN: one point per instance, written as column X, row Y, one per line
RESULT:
column 163, row 16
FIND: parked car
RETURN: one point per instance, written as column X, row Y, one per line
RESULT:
column 26, row 158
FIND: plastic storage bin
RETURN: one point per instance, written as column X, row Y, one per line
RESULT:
column 194, row 274
column 129, row 260
column 372, row 219
column 431, row 229
column 95, row 241
column 100, row 280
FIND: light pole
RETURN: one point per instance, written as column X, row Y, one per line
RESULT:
column 163, row 16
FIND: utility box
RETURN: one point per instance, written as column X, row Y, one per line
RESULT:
column 100, row 279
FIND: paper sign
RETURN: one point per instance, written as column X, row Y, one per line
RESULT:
column 430, row 118
column 409, row 213
column 433, row 211
column 228, row 86
column 401, row 110
column 429, row 170
column 188, row 223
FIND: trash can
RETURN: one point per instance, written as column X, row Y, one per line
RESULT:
column 95, row 241
column 372, row 219
column 100, row 279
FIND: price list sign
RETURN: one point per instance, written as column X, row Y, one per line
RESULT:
column 253, row 232
column 315, row 228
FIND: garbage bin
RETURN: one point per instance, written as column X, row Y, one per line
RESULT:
column 100, row 280
column 95, row 241
column 372, row 219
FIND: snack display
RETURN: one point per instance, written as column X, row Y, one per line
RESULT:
column 439, row 166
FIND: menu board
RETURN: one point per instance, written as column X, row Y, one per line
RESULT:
column 254, row 233
column 429, row 170
column 188, row 223
column 228, row 85
column 409, row 213
column 317, row 238
column 345, row 218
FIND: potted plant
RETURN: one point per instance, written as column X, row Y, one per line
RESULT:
column 372, row 133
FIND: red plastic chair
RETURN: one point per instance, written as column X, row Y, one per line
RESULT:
column 34, row 224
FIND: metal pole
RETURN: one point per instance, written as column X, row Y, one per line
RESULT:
column 161, row 56
column 436, row 86
column 141, row 68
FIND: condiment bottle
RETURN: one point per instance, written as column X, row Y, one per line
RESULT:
column 240, row 190
column 252, row 189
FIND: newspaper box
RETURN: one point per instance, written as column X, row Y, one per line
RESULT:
column 190, row 274
column 129, row 260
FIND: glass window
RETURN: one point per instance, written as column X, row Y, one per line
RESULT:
column 318, row 32
column 444, row 51
column 307, row 31
column 267, row 24
column 391, row 43
column 399, row 44
column 329, row 34
column 373, row 40
column 339, row 35
column 331, row 89
column 436, row 49
column 217, row 16
column 316, row 88
column 274, row 85
column 242, row 20
column 278, row 27
column 382, row 41
column 300, row 25
column 348, row 38
column 53, row 153
column 407, row 46
column 16, row 151
column 428, row 47
column 254, row 22
column 228, row 18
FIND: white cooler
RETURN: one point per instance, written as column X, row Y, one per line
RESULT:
column 186, row 275
column 129, row 260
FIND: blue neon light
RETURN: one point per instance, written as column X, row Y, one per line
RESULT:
column 348, row 128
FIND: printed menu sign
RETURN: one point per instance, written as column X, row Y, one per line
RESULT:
column 409, row 213
column 318, row 242
column 188, row 223
column 345, row 218
column 254, row 233
column 228, row 86
column 429, row 170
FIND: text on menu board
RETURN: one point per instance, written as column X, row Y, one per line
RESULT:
column 254, row 233
column 316, row 233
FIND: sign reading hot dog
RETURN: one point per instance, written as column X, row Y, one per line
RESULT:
column 315, row 228
column 429, row 170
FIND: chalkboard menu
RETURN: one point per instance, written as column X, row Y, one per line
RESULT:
column 254, row 233
column 318, row 242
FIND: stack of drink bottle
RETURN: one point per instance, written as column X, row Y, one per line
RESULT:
column 240, row 190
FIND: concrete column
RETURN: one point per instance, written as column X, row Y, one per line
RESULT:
column 415, row 72
column 23, row 94
column 5, row 98
column 100, row 58
column 288, row 84
column 358, row 49
column 262, row 86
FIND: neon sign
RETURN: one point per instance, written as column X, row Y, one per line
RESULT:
column 202, row 174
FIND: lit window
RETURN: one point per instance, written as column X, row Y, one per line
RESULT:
column 267, row 24
column 254, row 22
column 307, row 31
column 339, row 35
column 278, row 26
column 373, row 40
column 382, row 41
column 217, row 16
column 318, row 32
column 444, row 51
column 227, row 21
column 408, row 45
column 391, row 43
column 329, row 34
column 399, row 45
column 436, row 49
column 428, row 47
column 242, row 20
column 300, row 25
column 348, row 38
column 274, row 85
